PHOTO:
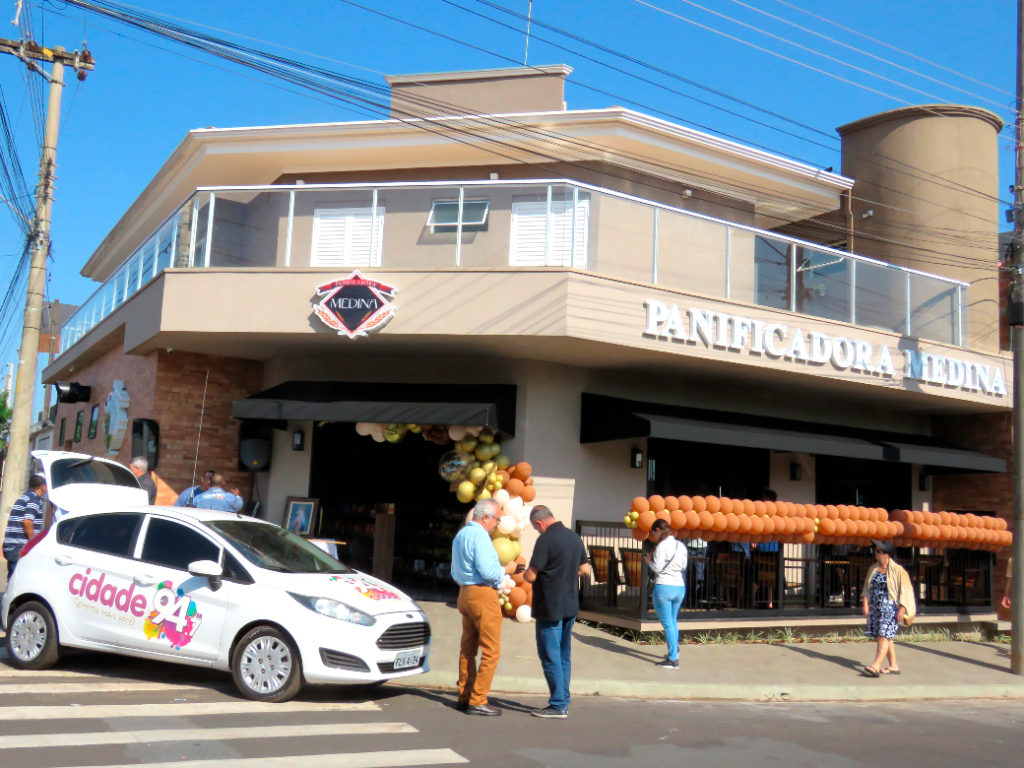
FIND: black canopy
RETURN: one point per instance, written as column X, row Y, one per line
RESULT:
column 483, row 405
column 611, row 418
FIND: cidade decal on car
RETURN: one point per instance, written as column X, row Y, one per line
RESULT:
column 174, row 617
column 366, row 589
column 106, row 599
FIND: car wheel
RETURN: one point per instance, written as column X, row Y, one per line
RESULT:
column 32, row 637
column 266, row 666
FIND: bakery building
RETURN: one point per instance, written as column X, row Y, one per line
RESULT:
column 630, row 305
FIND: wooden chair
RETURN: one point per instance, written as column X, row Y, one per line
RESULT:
column 602, row 561
column 727, row 573
column 767, row 566
column 632, row 566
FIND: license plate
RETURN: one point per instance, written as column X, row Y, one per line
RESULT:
column 407, row 659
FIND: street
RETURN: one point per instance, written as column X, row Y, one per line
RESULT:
column 99, row 710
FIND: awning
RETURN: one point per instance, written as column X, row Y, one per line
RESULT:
column 482, row 405
column 610, row 418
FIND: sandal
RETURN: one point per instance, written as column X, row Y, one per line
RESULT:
column 871, row 672
column 888, row 671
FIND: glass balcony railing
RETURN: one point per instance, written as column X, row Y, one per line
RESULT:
column 529, row 225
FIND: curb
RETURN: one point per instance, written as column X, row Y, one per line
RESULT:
column 733, row 692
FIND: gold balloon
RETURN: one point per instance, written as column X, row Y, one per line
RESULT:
column 486, row 436
column 483, row 452
column 477, row 476
column 502, row 461
column 484, row 494
column 468, row 444
column 506, row 550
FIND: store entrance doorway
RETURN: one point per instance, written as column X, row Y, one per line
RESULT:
column 362, row 483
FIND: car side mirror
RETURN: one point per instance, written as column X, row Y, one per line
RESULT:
column 209, row 570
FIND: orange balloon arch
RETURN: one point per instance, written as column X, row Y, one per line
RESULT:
column 714, row 518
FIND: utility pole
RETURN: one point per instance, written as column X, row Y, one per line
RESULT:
column 1017, row 342
column 16, row 467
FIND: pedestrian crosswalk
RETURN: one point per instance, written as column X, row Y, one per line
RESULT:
column 81, row 718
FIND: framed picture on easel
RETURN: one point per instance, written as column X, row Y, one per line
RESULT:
column 300, row 515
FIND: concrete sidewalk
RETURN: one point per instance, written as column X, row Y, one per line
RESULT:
column 609, row 666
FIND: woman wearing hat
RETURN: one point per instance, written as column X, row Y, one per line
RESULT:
column 888, row 598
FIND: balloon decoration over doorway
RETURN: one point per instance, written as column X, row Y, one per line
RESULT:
column 477, row 469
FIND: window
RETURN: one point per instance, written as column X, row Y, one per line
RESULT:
column 275, row 549
column 94, row 418
column 343, row 237
column 63, row 429
column 112, row 534
column 175, row 545
column 78, row 426
column 444, row 215
column 68, row 471
column 530, row 236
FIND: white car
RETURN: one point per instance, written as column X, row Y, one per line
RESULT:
column 212, row 589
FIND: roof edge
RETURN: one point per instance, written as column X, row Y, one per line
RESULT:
column 923, row 110
column 478, row 74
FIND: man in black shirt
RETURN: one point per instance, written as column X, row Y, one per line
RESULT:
column 559, row 559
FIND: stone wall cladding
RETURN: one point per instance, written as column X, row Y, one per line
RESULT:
column 168, row 387
column 990, row 434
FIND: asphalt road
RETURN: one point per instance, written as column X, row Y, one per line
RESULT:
column 97, row 710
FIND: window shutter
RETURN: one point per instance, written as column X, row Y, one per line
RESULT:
column 343, row 237
column 529, row 234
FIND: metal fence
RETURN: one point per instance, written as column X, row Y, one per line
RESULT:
column 725, row 580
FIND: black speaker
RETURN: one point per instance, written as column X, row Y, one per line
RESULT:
column 146, row 441
column 254, row 446
column 72, row 392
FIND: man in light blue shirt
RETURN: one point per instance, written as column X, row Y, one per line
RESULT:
column 478, row 572
column 219, row 499
column 187, row 498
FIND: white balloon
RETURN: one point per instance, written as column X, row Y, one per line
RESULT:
column 378, row 437
column 506, row 524
column 501, row 496
column 513, row 505
column 524, row 614
column 474, row 431
column 377, row 428
column 520, row 528
column 364, row 428
column 456, row 432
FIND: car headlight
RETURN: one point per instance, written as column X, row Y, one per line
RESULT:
column 335, row 610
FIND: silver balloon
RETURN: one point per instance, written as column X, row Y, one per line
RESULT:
column 454, row 466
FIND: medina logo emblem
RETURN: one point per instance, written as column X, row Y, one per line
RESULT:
column 355, row 305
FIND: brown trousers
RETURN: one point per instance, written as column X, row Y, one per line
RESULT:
column 481, row 630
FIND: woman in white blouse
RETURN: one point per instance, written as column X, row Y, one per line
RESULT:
column 668, row 568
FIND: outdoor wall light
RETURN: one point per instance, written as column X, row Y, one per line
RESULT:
column 298, row 440
column 636, row 458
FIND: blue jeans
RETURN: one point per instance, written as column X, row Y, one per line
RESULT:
column 554, row 646
column 667, row 602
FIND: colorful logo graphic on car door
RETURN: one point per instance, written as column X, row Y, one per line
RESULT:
column 174, row 617
column 366, row 589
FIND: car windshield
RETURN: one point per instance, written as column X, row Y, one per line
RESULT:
column 88, row 470
column 276, row 549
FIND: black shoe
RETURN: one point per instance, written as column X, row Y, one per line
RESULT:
column 666, row 664
column 461, row 706
column 484, row 710
column 551, row 713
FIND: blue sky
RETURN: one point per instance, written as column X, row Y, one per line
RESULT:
column 123, row 122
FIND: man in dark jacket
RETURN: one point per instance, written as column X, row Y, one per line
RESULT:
column 140, row 468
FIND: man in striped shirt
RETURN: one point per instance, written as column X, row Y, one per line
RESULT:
column 25, row 521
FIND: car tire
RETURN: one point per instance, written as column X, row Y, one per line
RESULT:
column 32, row 637
column 266, row 666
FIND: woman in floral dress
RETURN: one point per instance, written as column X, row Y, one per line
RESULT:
column 888, row 601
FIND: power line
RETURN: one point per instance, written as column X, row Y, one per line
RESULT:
column 947, row 183
column 866, row 53
column 300, row 74
column 812, row 50
column 894, row 48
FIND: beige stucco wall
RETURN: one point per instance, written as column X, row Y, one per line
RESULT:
column 927, row 172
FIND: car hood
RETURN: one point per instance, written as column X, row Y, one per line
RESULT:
column 357, row 590
column 86, row 497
